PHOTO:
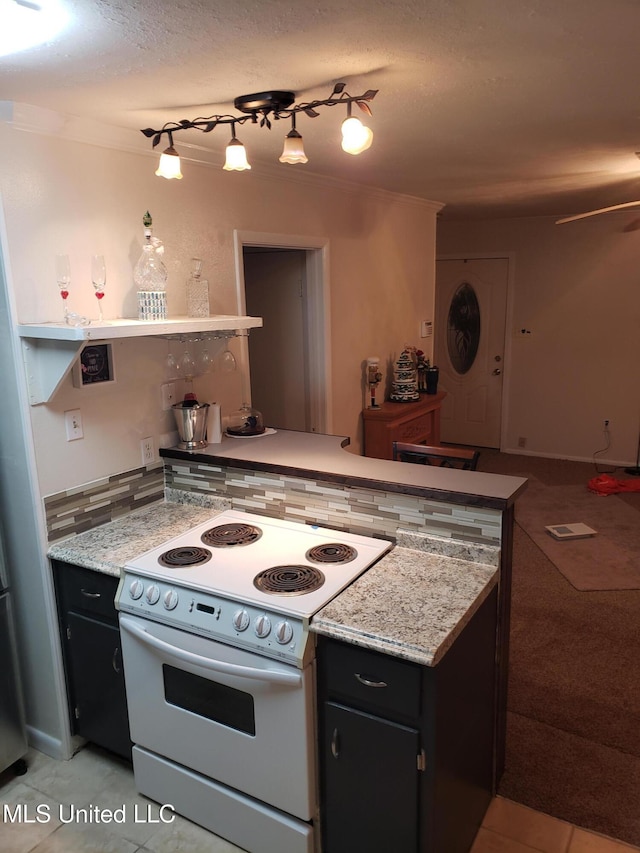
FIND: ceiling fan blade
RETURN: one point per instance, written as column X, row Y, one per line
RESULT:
column 596, row 212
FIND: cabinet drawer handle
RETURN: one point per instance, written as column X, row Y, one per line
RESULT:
column 335, row 743
column 368, row 682
column 114, row 660
column 88, row 594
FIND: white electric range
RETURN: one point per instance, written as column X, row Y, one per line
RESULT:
column 220, row 671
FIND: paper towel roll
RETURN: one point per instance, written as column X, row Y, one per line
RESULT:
column 214, row 424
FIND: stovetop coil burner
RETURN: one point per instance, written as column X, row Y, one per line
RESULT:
column 331, row 552
column 289, row 580
column 229, row 535
column 187, row 555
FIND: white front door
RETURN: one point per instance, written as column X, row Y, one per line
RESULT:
column 469, row 342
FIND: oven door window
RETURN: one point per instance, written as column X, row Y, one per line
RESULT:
column 216, row 702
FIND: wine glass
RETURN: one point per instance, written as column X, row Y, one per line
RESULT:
column 172, row 365
column 63, row 277
column 98, row 279
column 205, row 362
column 187, row 364
column 228, row 360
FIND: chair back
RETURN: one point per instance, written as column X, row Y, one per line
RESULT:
column 441, row 457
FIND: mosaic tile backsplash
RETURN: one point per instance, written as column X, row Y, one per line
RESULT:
column 91, row 504
column 355, row 509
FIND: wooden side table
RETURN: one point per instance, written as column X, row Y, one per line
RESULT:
column 417, row 423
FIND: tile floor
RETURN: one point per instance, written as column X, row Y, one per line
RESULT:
column 96, row 778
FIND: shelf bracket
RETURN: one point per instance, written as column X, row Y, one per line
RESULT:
column 47, row 362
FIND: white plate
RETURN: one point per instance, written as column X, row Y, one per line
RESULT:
column 267, row 431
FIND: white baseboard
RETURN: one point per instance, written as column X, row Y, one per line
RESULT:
column 608, row 463
column 43, row 742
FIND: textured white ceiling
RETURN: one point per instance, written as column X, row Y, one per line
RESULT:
column 494, row 107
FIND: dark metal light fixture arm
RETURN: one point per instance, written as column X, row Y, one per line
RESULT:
column 206, row 125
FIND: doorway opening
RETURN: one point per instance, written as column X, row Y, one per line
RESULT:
column 283, row 279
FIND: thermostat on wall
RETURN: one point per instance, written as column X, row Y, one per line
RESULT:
column 570, row 531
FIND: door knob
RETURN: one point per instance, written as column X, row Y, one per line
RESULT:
column 496, row 372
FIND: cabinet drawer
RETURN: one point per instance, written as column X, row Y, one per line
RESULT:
column 86, row 591
column 416, row 431
column 370, row 679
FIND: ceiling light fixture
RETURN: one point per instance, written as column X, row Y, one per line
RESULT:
column 262, row 109
column 293, row 151
column 27, row 23
column 235, row 154
column 169, row 166
column 356, row 138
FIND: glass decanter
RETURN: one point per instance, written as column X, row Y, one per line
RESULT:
column 150, row 276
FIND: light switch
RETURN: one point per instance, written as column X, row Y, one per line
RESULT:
column 73, row 424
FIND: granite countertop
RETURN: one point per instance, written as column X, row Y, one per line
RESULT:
column 412, row 604
column 110, row 546
column 415, row 601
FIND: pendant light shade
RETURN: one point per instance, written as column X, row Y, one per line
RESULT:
column 356, row 138
column 236, row 157
column 293, row 151
column 169, row 166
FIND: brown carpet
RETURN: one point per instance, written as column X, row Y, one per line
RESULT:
column 608, row 560
column 573, row 734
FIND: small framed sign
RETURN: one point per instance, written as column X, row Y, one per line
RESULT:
column 94, row 366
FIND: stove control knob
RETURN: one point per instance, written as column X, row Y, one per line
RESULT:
column 262, row 626
column 153, row 594
column 284, row 633
column 241, row 620
column 136, row 588
column 170, row 599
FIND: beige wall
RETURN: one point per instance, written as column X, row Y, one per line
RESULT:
column 61, row 195
column 577, row 288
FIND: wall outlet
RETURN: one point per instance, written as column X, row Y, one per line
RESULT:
column 168, row 395
column 522, row 441
column 426, row 328
column 148, row 451
column 73, row 424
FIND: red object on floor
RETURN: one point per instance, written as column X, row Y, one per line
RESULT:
column 605, row 484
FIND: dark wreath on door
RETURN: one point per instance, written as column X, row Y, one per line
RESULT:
column 463, row 328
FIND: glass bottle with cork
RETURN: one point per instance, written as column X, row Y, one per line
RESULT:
column 150, row 276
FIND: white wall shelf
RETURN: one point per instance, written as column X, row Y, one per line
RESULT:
column 51, row 349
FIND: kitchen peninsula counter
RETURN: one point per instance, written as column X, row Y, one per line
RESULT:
column 324, row 456
column 411, row 604
column 448, row 573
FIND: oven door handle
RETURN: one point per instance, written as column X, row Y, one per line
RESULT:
column 287, row 678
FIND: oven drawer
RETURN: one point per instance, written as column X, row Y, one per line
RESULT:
column 222, row 810
column 372, row 680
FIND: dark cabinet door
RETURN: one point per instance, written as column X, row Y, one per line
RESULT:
column 370, row 783
column 95, row 667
